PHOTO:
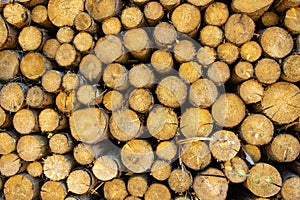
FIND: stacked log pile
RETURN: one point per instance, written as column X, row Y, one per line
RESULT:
column 144, row 99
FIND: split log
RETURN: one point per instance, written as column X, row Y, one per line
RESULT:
column 161, row 170
column 253, row 151
column 9, row 64
column 100, row 10
column 164, row 35
column 17, row 15
column 236, row 170
column 162, row 61
column 283, row 5
column 32, row 147
column 50, row 48
column 105, row 168
column 51, row 81
column 112, row 100
column 8, row 142
column 206, row 56
column 66, row 102
column 5, row 119
column 242, row 71
column 83, row 42
column 180, row 180
column 216, row 14
column 84, row 22
column 218, row 72
column 137, row 185
column 61, row 143
column 190, row 71
column 21, row 186
column 157, row 191
column 138, row 71
column 267, row 71
column 12, row 96
column 111, row 26
column 50, row 120
column 251, row 91
column 290, row 71
column 292, row 19
column 132, row 17
column 184, row 51
column 211, row 36
column 162, row 123
column 35, row 169
column 153, row 12
column 166, row 150
column 80, row 181
column 32, row 38
column 53, row 190
column 39, row 15
column 11, row 164
column 89, row 95
column 228, row 52
column 67, row 56
column 8, row 38
column 141, row 100
column 206, row 179
column 115, row 189
column 169, row 4
column 36, row 97
column 65, row 34
column 25, row 121
column 91, row 68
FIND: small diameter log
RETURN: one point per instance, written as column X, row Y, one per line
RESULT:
column 267, row 71
column 36, row 97
column 292, row 19
column 115, row 189
column 236, row 170
column 11, row 164
column 190, row 71
column 9, row 64
column 32, row 38
column 290, row 71
column 196, row 122
column 157, row 191
column 186, row 18
column 50, row 48
column 251, row 91
column 34, row 65
column 298, row 44
column 8, row 38
column 211, row 36
column 276, row 42
column 100, row 10
column 91, row 68
column 67, row 56
column 35, row 169
column 290, row 188
column 5, row 119
column 169, row 4
column 211, row 184
column 137, row 185
column 112, row 100
column 110, row 49
column 58, row 167
column 164, row 35
column 111, row 25
column 105, row 168
column 195, row 155
column 65, row 34
column 124, row 125
column 32, row 147
column 51, row 81
column 254, row 9
column 17, row 15
column 239, row 29
column 139, row 2
column 278, row 110
column 50, row 120
column 283, row 5
column 228, row 52
column 161, row 170
column 162, row 123
column 206, row 56
column 12, row 96
column 180, row 180
column 53, row 190
column 218, row 72
column 66, row 102
column 8, row 142
column 216, row 14
column 137, row 156
column 141, row 100
column 61, row 143
column 89, row 125
column 138, row 43
column 250, row 51
column 171, row 91
column 264, row 180
column 89, row 95
column 21, row 186
column 153, row 12
column 284, row 148
column 39, row 15
column 138, row 71
column 71, row 81
column 32, row 3
column 84, row 22
column 166, row 150
column 79, row 197
column 132, row 17
column 242, row 71
column 270, row 19
column 80, row 181
column 162, row 61
column 184, row 51
column 228, row 110
column 253, row 151
column 203, row 93
column 116, row 76
column 83, row 42
column 25, row 121
column 62, row 15
column 200, row 3
column 84, row 153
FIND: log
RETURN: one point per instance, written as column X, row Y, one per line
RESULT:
column 219, row 73
column 203, row 93
column 8, row 38
column 137, row 156
column 89, row 95
column 283, row 5
column 290, row 188
column 100, row 10
column 225, row 145
column 162, row 123
column 112, row 100
column 250, row 51
column 105, row 168
column 50, row 120
column 270, row 19
column 162, row 61
column 83, row 42
column 211, row 36
column 141, row 100
column 254, row 8
column 164, row 35
column 25, row 121
column 169, row 4
column 35, row 169
column 32, row 38
column 228, row 52
column 39, row 15
column 180, row 180
column 12, row 96
column 271, row 66
column 132, row 17
column 161, row 170
column 206, row 56
column 61, row 143
column 115, row 189
column 236, row 170
column 34, row 65
column 80, row 181
column 251, row 91
column 58, row 167
column 71, row 81
column 9, row 64
column 67, row 56
column 284, row 148
column 84, row 22
column 11, row 164
column 228, row 110
column 290, row 72
column 78, row 197
column 8, row 142
column 21, row 186
column 17, row 15
column 66, row 102
column 137, row 185
column 50, row 48
column 253, row 151
column 32, row 147
column 184, row 51
column 276, row 42
column 190, row 71
column 171, row 91
column 166, row 150
column 157, row 191
column 111, row 26
column 153, row 12
column 65, row 34
column 242, row 71
column 53, row 190
column 51, row 81
column 281, row 112
column 5, row 119
column 204, row 181
column 200, row 3
column 91, row 68
column 264, row 180
column 298, row 44
column 216, row 14
column 291, row 20
column 32, row 3
column 141, row 70
column 139, row 2
column 37, row 97
column 84, row 154
column 239, row 29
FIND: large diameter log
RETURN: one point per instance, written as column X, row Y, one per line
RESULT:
column 12, row 96
column 9, row 64
column 17, row 15
column 115, row 189
column 53, row 190
column 8, row 38
column 157, row 191
column 32, row 147
column 100, row 10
